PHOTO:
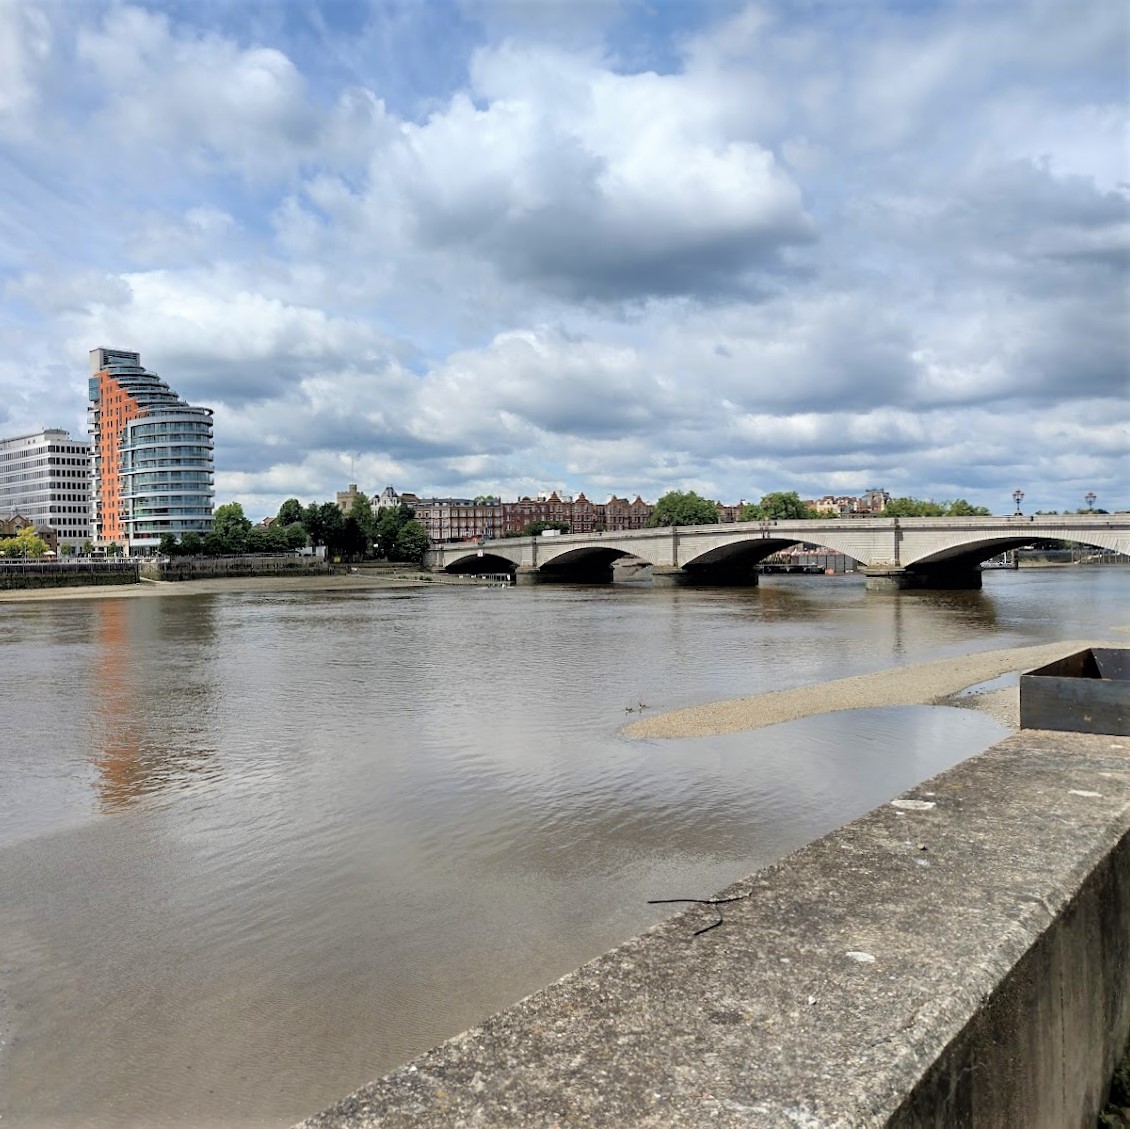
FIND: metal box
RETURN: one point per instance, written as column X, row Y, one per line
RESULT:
column 1087, row 692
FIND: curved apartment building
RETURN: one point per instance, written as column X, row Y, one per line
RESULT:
column 152, row 472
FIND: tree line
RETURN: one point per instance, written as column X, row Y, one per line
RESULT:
column 678, row 507
column 356, row 534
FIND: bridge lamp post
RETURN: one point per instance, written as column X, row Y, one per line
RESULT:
column 1018, row 497
column 1090, row 497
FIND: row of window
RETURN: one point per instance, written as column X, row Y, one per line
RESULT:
column 154, row 528
column 168, row 478
column 42, row 449
column 46, row 479
column 173, row 431
column 130, row 457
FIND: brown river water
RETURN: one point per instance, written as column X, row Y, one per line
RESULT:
column 258, row 848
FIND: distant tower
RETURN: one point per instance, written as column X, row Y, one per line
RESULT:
column 152, row 471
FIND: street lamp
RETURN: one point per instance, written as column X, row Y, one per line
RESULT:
column 1089, row 498
column 1018, row 497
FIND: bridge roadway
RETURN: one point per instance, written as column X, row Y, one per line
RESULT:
column 916, row 552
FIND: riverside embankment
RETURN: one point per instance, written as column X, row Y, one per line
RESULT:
column 959, row 956
column 326, row 581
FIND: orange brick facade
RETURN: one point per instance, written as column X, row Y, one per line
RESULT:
column 116, row 408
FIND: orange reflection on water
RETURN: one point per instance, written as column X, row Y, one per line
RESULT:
column 135, row 753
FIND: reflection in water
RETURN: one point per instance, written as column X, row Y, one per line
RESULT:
column 137, row 748
column 425, row 810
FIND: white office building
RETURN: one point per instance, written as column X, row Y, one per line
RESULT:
column 45, row 477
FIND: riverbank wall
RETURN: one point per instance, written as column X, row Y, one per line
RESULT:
column 1053, row 558
column 212, row 568
column 61, row 574
column 960, row 955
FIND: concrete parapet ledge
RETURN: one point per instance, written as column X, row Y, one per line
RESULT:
column 959, row 956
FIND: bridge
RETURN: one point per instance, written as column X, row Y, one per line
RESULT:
column 915, row 552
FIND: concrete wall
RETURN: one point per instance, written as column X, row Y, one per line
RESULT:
column 78, row 575
column 960, row 956
column 192, row 568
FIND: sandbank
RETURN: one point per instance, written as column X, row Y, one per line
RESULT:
column 930, row 683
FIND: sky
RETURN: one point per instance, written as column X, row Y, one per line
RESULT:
column 620, row 246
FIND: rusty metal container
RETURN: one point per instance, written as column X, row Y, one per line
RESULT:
column 1087, row 692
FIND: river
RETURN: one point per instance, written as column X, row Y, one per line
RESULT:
column 258, row 848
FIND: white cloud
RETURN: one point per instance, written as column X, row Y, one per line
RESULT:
column 26, row 41
column 198, row 96
column 790, row 248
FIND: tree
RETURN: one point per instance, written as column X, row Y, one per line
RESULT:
column 412, row 541
column 213, row 544
column 333, row 526
column 361, row 513
column 192, row 544
column 257, row 540
column 916, row 507
column 354, row 541
column 113, row 549
column 290, row 512
column 231, row 526
column 959, row 507
column 536, row 528
column 269, row 540
column 295, row 536
column 313, row 524
column 167, row 546
column 778, row 506
column 679, row 508
column 392, row 519
column 912, row 507
column 26, row 543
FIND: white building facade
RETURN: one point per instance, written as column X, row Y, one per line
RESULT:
column 45, row 477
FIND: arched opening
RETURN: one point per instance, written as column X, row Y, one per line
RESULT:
column 486, row 564
column 590, row 564
column 739, row 562
column 970, row 558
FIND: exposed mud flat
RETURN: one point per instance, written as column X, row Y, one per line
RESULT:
column 932, row 683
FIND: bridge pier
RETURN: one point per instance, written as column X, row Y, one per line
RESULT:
column 898, row 579
column 667, row 576
column 743, row 577
column 528, row 574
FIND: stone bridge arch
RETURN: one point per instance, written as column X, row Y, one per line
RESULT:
column 736, row 561
column 491, row 560
column 969, row 554
column 585, row 563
